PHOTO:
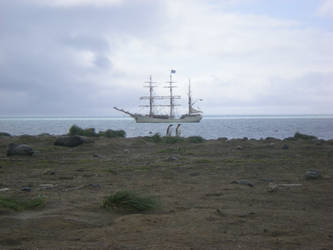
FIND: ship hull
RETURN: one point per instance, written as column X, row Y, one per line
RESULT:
column 185, row 119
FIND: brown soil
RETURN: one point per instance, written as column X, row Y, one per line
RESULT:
column 200, row 208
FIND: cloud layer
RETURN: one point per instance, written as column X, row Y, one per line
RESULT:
column 82, row 57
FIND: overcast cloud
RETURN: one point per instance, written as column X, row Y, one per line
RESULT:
column 83, row 57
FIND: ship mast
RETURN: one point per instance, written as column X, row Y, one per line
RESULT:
column 150, row 97
column 189, row 97
column 172, row 97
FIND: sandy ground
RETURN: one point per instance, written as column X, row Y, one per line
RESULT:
column 200, row 207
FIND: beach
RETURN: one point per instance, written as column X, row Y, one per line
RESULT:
column 212, row 194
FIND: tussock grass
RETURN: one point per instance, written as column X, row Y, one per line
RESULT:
column 195, row 139
column 129, row 201
column 90, row 132
column 20, row 204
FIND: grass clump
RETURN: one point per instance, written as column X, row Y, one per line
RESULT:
column 17, row 204
column 90, row 132
column 172, row 139
column 76, row 130
column 112, row 133
column 129, row 201
column 195, row 139
column 298, row 135
column 156, row 138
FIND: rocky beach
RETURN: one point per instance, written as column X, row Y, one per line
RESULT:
column 212, row 194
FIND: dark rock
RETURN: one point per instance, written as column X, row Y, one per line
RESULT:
column 97, row 155
column 69, row 141
column 194, row 174
column 285, row 146
column 49, row 172
column 312, row 175
column 173, row 158
column 239, row 147
column 26, row 189
column 243, row 182
column 19, row 149
column 93, row 186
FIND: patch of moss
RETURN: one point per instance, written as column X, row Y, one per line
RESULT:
column 90, row 132
column 195, row 139
column 20, row 204
column 129, row 201
column 304, row 136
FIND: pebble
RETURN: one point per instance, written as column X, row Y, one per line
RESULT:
column 46, row 186
column 26, row 189
column 312, row 174
column 243, row 182
column 173, row 158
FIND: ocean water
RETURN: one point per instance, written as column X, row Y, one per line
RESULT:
column 211, row 127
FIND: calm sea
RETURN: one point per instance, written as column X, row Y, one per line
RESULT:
column 211, row 127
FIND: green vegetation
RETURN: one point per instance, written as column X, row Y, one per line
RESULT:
column 172, row 140
column 304, row 136
column 112, row 133
column 165, row 139
column 20, row 204
column 299, row 136
column 4, row 134
column 156, row 138
column 195, row 139
column 90, row 132
column 129, row 201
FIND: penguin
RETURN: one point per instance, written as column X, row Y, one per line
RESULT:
column 169, row 130
column 178, row 132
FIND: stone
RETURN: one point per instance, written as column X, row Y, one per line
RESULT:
column 312, row 174
column 285, row 146
column 4, row 189
column 69, row 141
column 46, row 186
column 173, row 158
column 272, row 187
column 243, row 182
column 194, row 174
column 19, row 149
column 26, row 189
column 49, row 172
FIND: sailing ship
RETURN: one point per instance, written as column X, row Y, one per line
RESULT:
column 193, row 114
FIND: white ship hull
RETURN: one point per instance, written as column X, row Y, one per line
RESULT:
column 185, row 119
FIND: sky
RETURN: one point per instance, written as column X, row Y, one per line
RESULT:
column 83, row 57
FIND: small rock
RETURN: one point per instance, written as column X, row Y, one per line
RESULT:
column 312, row 175
column 69, row 141
column 239, row 147
column 243, row 182
column 19, row 149
column 4, row 189
column 26, row 189
column 272, row 187
column 285, row 146
column 173, row 158
column 49, row 172
column 94, row 186
column 126, row 151
column 46, row 186
column 194, row 174
column 97, row 155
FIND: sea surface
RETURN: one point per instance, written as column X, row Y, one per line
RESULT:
column 211, row 127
